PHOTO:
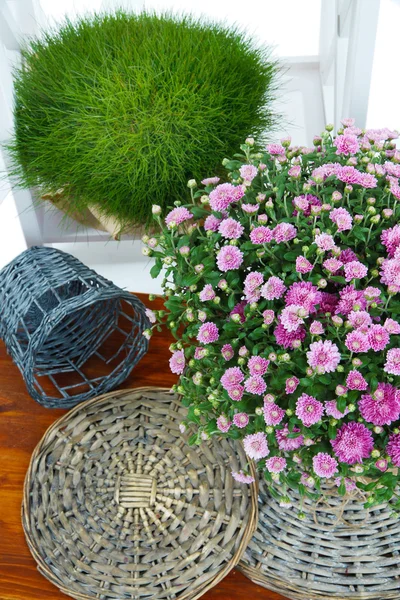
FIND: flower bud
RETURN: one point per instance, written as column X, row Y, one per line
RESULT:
column 236, row 318
column 358, row 218
column 336, row 196
column 289, row 412
column 193, row 288
column 156, row 209
column 322, row 283
column 329, row 127
column 375, row 454
column 340, row 368
column 371, row 210
column 197, row 412
column 167, row 260
column 259, row 411
column 147, row 333
column 351, row 407
column 272, row 357
column 241, row 360
column 225, row 162
column 204, row 199
column 147, row 252
column 269, row 428
column 375, row 219
column 348, row 188
column 184, row 250
column 250, row 141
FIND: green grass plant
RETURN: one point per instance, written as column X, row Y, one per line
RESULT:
column 120, row 110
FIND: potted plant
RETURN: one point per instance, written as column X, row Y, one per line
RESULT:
column 281, row 285
column 115, row 111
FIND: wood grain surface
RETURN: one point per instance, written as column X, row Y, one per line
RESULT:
column 22, row 424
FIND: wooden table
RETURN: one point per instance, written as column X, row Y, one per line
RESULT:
column 22, row 424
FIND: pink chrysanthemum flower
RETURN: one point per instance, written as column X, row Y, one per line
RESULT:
column 378, row 337
column 393, row 448
column 323, row 356
column 305, row 294
column 301, row 203
column 229, row 258
column 348, row 174
column 248, row 172
column 355, row 270
column 268, row 316
column 390, row 273
column 241, row 420
column 349, row 484
column 331, row 410
column 200, row 353
column 208, row 333
column 177, row 216
column 350, row 298
column 324, row 465
column 328, row 302
column 151, row 315
column 291, row 385
column 284, row 232
column 356, row 341
column 257, row 365
column 382, row 464
column 230, row 229
column 207, row 293
column 177, row 362
column 227, row 352
column 256, row 445
column 309, row 410
column 324, row 241
column 250, row 208
column 255, row 385
column 224, row 194
column 316, row 328
column 253, row 280
column 231, row 377
column 275, row 149
column 353, row 443
column 348, row 122
column 359, row 319
column 391, row 239
column 382, row 407
column 332, row 265
column 223, row 424
column 238, row 309
column 210, row 181
column 342, row 219
column 241, row 477
column 288, row 339
column 275, row 464
column 235, row 392
column 273, row 414
column 273, row 288
column 371, row 293
column 346, row 144
column 355, row 381
column 212, row 223
column 392, row 326
column 261, row 235
column 292, row 317
column 303, row 265
column 295, row 171
column 286, row 443
column 347, row 256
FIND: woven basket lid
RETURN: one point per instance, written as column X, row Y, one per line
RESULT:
column 117, row 505
column 339, row 550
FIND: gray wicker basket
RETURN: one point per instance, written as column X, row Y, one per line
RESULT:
column 118, row 506
column 72, row 333
column 339, row 550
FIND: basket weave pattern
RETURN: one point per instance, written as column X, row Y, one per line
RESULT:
column 117, row 505
column 339, row 550
column 58, row 318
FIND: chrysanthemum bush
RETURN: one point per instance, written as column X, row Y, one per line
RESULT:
column 282, row 289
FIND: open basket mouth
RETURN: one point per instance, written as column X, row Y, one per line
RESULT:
column 72, row 333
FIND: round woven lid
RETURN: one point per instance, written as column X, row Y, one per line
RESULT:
column 339, row 550
column 117, row 505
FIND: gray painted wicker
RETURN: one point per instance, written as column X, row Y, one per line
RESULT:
column 72, row 333
column 118, row 506
column 340, row 550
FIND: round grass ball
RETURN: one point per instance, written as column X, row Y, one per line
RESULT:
column 121, row 110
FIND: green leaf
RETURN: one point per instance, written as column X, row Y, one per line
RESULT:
column 156, row 269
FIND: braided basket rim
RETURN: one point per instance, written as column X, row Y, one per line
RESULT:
column 46, row 439
column 273, row 577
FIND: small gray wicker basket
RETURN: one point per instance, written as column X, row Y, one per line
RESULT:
column 72, row 333
column 118, row 506
column 339, row 550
